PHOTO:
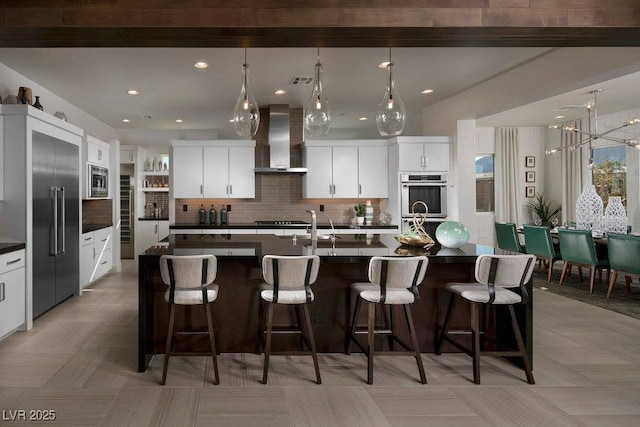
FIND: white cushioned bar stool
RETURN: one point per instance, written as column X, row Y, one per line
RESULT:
column 190, row 281
column 392, row 281
column 288, row 281
column 494, row 275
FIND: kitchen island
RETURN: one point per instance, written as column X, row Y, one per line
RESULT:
column 240, row 274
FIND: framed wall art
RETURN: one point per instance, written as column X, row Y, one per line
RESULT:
column 530, row 176
column 530, row 161
column 530, row 192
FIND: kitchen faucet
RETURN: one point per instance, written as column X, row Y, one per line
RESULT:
column 314, row 226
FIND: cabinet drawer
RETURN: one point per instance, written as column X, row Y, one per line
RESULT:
column 11, row 261
column 12, row 300
column 102, row 239
column 86, row 239
column 105, row 262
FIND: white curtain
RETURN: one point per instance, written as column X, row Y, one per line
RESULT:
column 507, row 176
column 572, row 171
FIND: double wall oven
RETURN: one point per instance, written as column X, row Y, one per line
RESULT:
column 430, row 188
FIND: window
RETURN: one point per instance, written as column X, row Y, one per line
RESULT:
column 610, row 172
column 484, row 184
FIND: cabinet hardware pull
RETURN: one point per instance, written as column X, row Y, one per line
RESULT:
column 156, row 232
column 104, row 240
column 359, row 188
column 87, row 239
column 14, row 261
column 200, row 188
column 103, row 262
column 94, row 253
column 2, row 295
column 230, row 189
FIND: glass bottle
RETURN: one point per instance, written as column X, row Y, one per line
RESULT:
column 212, row 216
column 223, row 216
column 202, row 215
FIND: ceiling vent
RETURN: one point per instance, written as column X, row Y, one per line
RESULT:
column 300, row 81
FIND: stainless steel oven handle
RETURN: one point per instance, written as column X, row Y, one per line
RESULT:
column 423, row 184
column 54, row 247
column 63, row 221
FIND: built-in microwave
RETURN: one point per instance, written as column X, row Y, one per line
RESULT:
column 97, row 182
column 428, row 188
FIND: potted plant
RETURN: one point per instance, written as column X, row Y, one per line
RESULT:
column 542, row 209
column 360, row 210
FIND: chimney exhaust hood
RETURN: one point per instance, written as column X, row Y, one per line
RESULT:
column 279, row 142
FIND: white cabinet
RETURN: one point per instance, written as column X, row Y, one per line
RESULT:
column 213, row 170
column 128, row 156
column 345, row 169
column 97, row 151
column 150, row 233
column 417, row 156
column 12, row 291
column 96, row 256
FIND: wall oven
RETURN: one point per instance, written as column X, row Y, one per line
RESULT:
column 428, row 188
column 97, row 182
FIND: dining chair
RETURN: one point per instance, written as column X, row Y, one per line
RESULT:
column 392, row 281
column 624, row 258
column 507, row 237
column 495, row 275
column 190, row 282
column 578, row 248
column 538, row 242
column 287, row 281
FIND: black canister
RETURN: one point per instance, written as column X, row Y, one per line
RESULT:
column 223, row 216
column 212, row 216
column 202, row 216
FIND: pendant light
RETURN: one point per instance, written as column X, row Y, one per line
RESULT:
column 317, row 112
column 246, row 115
column 391, row 115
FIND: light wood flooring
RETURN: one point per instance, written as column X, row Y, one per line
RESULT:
column 80, row 360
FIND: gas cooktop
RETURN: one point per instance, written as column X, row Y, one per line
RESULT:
column 281, row 222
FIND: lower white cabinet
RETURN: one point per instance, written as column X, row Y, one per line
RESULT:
column 150, row 233
column 96, row 257
column 12, row 291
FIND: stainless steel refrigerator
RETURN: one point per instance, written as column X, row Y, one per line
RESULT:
column 127, row 211
column 56, row 222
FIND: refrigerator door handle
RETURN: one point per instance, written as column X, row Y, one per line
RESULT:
column 54, row 248
column 63, row 221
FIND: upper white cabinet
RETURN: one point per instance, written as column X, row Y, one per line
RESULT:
column 423, row 153
column 345, row 169
column 97, row 151
column 128, row 156
column 213, row 169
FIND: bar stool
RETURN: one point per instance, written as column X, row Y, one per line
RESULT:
column 494, row 274
column 288, row 281
column 190, row 280
column 392, row 281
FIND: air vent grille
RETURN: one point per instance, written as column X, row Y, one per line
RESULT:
column 300, row 81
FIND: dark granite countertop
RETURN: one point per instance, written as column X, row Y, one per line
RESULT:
column 145, row 218
column 355, row 248
column 87, row 228
column 320, row 226
column 6, row 247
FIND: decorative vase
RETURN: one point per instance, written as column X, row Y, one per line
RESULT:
column 37, row 104
column 368, row 216
column 452, row 234
column 360, row 220
column 589, row 210
column 25, row 95
column 615, row 216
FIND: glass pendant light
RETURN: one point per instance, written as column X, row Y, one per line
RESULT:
column 317, row 112
column 391, row 115
column 246, row 115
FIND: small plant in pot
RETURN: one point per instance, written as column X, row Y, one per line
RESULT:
column 542, row 209
column 360, row 210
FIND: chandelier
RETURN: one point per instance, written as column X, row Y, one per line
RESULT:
column 592, row 133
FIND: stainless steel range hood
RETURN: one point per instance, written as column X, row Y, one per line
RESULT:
column 279, row 142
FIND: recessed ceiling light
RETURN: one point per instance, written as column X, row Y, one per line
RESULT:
column 133, row 92
column 426, row 91
column 178, row 120
column 383, row 64
column 230, row 120
column 559, row 117
column 126, row 120
column 280, row 92
column 201, row 65
column 363, row 119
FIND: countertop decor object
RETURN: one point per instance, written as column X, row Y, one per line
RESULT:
column 452, row 234
column 416, row 236
column 37, row 104
column 360, row 210
column 589, row 210
column 615, row 216
column 24, row 95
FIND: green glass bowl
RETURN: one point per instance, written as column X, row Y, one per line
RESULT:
column 452, row 234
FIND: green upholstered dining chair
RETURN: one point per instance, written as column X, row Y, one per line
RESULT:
column 507, row 237
column 624, row 253
column 538, row 242
column 577, row 248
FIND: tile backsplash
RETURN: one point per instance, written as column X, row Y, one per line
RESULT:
column 278, row 197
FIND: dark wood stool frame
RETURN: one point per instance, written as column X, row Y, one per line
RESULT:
column 210, row 325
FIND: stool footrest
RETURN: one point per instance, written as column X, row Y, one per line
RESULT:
column 192, row 333
column 190, row 353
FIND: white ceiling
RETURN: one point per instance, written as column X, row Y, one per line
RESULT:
column 97, row 79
